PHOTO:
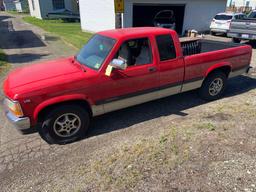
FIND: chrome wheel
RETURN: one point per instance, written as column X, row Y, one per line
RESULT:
column 67, row 125
column 216, row 86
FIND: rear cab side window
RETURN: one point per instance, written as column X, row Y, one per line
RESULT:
column 166, row 47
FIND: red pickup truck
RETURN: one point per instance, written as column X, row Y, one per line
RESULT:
column 114, row 70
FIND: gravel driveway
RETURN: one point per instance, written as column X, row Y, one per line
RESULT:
column 27, row 163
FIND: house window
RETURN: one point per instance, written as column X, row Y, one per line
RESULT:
column 33, row 4
column 58, row 4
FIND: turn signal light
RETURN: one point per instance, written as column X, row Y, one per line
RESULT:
column 14, row 107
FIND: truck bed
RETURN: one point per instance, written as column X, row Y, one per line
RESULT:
column 197, row 46
column 200, row 55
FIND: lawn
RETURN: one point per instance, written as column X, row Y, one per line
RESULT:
column 69, row 32
column 18, row 13
column 3, row 62
column 2, row 58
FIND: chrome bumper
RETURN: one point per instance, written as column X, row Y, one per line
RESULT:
column 219, row 30
column 21, row 123
column 239, row 35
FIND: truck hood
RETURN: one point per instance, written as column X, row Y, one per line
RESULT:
column 42, row 71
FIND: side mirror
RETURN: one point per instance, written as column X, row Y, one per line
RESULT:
column 118, row 64
column 115, row 64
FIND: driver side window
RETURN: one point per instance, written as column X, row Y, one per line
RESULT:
column 135, row 52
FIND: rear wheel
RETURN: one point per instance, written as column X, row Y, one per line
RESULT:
column 213, row 33
column 236, row 40
column 64, row 124
column 213, row 86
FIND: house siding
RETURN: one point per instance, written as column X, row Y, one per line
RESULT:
column 97, row 15
column 43, row 7
column 35, row 12
column 198, row 13
column 9, row 5
column 21, row 5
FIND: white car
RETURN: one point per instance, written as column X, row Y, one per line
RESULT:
column 221, row 22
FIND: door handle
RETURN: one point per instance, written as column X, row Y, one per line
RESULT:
column 151, row 69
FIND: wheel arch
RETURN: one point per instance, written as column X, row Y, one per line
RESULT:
column 47, row 105
column 224, row 67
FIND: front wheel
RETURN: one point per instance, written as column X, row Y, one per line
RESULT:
column 64, row 124
column 213, row 86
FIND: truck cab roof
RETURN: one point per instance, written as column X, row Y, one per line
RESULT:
column 134, row 32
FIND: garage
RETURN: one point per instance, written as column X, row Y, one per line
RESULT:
column 149, row 15
column 99, row 15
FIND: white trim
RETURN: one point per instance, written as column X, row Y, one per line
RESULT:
column 192, row 85
column 237, row 73
column 135, row 100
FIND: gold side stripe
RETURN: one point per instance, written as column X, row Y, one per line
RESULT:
column 135, row 100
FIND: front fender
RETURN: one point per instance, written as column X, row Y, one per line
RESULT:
column 57, row 100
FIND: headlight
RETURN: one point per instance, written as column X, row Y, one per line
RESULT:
column 14, row 107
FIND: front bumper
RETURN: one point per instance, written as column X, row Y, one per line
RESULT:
column 245, row 36
column 218, row 30
column 21, row 123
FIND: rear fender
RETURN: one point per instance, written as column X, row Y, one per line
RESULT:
column 217, row 66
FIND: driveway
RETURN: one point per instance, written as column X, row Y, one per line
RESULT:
column 24, row 44
column 27, row 163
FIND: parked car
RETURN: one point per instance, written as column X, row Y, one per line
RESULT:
column 114, row 70
column 165, row 19
column 243, row 29
column 64, row 14
column 221, row 22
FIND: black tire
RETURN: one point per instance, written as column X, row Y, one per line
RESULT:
column 49, row 130
column 208, row 91
column 236, row 40
column 213, row 33
column 253, row 43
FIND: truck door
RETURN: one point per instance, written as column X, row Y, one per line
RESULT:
column 171, row 65
column 138, row 79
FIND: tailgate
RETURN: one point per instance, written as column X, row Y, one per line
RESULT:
column 243, row 26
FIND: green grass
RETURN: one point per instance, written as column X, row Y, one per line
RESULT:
column 69, row 32
column 2, row 58
column 3, row 62
column 17, row 13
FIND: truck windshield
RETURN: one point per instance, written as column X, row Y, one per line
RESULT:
column 252, row 15
column 94, row 53
column 223, row 17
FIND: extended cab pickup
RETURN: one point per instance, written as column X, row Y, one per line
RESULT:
column 114, row 70
column 243, row 29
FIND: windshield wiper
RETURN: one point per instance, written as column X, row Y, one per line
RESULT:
column 81, row 65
